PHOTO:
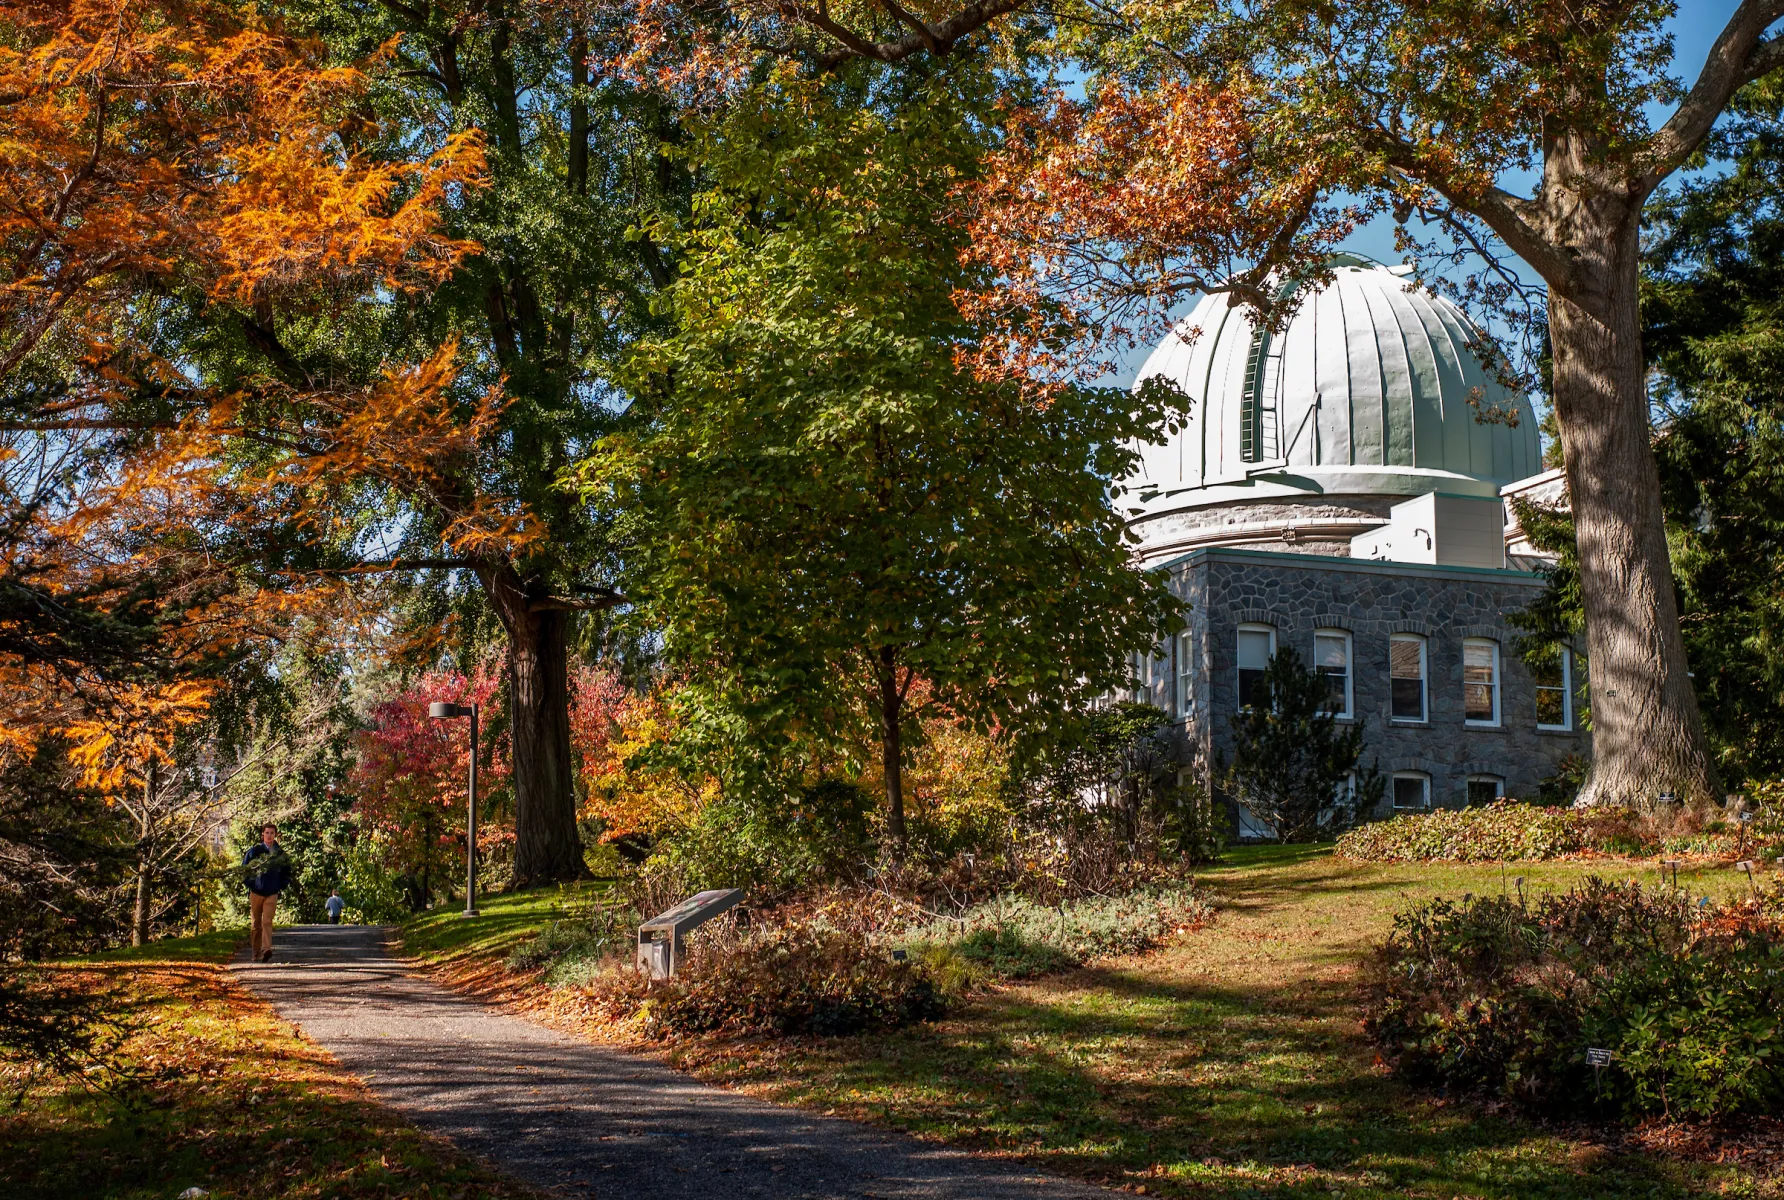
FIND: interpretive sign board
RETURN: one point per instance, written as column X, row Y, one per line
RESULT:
column 660, row 938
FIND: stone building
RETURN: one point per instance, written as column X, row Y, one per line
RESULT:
column 1342, row 487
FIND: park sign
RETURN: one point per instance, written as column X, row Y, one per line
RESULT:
column 660, row 938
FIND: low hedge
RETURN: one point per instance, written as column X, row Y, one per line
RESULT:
column 1502, row 830
column 785, row 981
column 1492, row 996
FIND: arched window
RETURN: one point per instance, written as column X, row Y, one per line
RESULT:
column 1406, row 677
column 1257, row 646
column 1480, row 681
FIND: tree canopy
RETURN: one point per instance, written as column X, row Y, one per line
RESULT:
column 839, row 516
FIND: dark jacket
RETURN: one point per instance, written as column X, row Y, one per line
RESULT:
column 271, row 879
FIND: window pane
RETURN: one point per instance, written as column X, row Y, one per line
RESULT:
column 1551, row 706
column 1479, row 682
column 1409, row 791
column 1409, row 699
column 1254, row 649
column 1331, row 659
column 1250, row 684
column 1548, row 674
column 1483, row 791
column 1404, row 659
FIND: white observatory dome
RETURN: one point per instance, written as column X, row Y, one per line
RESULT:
column 1372, row 393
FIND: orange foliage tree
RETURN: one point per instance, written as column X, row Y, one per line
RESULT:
column 165, row 148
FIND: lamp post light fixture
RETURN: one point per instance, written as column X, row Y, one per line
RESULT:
column 441, row 710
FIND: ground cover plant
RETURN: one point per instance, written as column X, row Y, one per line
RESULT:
column 1494, row 994
column 209, row 1089
column 1511, row 831
column 1013, row 937
column 1228, row 1063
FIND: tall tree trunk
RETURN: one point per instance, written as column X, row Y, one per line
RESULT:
column 577, row 165
column 139, row 917
column 1647, row 733
column 892, row 747
column 547, row 845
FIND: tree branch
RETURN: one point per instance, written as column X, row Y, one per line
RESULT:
column 1738, row 57
column 392, row 565
column 605, row 599
column 1501, row 210
column 936, row 39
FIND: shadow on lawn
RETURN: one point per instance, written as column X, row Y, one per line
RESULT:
column 1107, row 1076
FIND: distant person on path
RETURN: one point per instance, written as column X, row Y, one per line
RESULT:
column 265, row 881
column 334, row 905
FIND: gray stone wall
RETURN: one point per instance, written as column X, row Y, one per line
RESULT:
column 1297, row 594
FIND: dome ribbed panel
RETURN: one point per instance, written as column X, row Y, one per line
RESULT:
column 1370, row 375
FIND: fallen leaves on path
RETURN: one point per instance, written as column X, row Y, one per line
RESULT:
column 234, row 1101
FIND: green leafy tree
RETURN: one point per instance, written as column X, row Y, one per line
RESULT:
column 840, row 524
column 1293, row 768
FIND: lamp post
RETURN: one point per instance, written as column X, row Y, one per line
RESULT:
column 441, row 710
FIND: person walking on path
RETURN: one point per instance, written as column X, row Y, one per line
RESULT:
column 334, row 905
column 266, row 879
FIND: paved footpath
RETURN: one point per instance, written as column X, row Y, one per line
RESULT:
column 586, row 1120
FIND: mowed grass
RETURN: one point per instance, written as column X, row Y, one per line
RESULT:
column 1231, row 1064
column 446, row 937
column 236, row 1103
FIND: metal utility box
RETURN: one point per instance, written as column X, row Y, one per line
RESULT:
column 660, row 938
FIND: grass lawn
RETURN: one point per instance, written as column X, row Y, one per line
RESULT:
column 1231, row 1064
column 446, row 937
column 244, row 1107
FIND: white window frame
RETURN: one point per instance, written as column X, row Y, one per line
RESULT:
column 1350, row 668
column 1185, row 673
column 1498, row 674
column 1394, row 791
column 1566, row 725
column 1423, row 643
column 1498, row 782
column 1238, row 670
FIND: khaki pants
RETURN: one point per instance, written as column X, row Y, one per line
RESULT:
column 262, row 908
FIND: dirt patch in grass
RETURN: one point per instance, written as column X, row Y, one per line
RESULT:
column 238, row 1105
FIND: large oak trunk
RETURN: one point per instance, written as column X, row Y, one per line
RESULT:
column 1647, row 733
column 547, row 845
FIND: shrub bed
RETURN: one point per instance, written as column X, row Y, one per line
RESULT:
column 1492, row 996
column 785, row 981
